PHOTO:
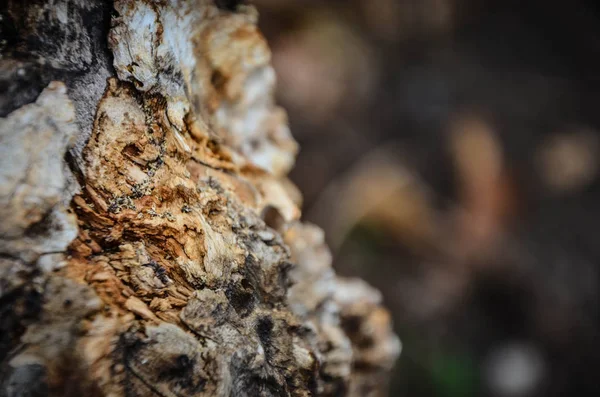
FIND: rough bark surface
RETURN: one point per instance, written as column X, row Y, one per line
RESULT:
column 150, row 243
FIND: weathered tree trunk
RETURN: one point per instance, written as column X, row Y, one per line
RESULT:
column 150, row 243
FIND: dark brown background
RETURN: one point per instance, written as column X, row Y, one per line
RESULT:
column 488, row 113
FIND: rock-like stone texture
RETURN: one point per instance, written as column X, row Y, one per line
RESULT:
column 180, row 266
column 210, row 65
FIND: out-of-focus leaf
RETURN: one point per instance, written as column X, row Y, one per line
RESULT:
column 454, row 376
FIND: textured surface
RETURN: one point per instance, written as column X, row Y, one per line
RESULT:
column 187, row 272
column 33, row 141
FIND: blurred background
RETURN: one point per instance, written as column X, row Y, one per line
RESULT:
column 451, row 152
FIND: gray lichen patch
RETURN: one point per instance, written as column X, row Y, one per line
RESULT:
column 33, row 176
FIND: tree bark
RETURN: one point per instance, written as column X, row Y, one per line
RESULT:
column 150, row 242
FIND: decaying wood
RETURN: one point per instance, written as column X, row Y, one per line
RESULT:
column 150, row 243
